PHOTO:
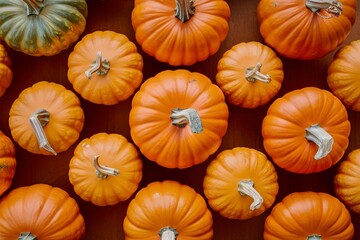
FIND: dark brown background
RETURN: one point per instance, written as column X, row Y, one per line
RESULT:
column 244, row 124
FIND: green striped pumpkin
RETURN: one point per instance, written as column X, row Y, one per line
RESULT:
column 42, row 27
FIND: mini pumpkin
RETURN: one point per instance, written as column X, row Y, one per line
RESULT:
column 346, row 181
column 343, row 75
column 105, row 67
column 40, row 211
column 46, row 118
column 250, row 74
column 168, row 210
column 306, row 130
column 240, row 183
column 180, row 32
column 178, row 118
column 6, row 74
column 7, row 162
column 309, row 215
column 105, row 169
column 305, row 29
column 42, row 28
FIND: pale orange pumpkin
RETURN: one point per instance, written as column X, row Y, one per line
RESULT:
column 7, row 162
column 46, row 118
column 105, row 169
column 240, row 183
column 105, row 67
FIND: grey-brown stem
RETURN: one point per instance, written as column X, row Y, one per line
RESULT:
column 314, row 237
column 27, row 236
column 33, row 7
column 104, row 171
column 181, row 117
column 100, row 66
column 168, row 233
column 333, row 7
column 253, row 74
column 246, row 187
column 38, row 120
column 320, row 137
column 184, row 9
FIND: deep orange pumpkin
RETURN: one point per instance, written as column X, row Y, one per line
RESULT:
column 309, row 215
column 306, row 131
column 168, row 210
column 7, row 162
column 305, row 29
column 178, row 118
column 180, row 32
column 6, row 74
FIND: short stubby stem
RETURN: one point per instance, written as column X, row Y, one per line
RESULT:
column 33, row 7
column 38, row 120
column 320, row 137
column 27, row 236
column 253, row 74
column 332, row 7
column 100, row 66
column 168, row 233
column 181, row 117
column 246, row 188
column 184, row 9
column 104, row 171
column 314, row 237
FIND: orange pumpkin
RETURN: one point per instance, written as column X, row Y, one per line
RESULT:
column 346, row 181
column 178, row 118
column 46, row 118
column 7, row 162
column 240, row 183
column 249, row 74
column 105, row 169
column 168, row 210
column 40, row 211
column 309, row 215
column 344, row 75
column 6, row 74
column 105, row 67
column 306, row 131
column 180, row 32
column 305, row 29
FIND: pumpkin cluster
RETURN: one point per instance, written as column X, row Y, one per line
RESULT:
column 179, row 119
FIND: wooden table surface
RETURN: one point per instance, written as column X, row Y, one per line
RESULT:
column 244, row 124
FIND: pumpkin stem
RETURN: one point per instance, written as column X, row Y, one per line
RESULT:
column 100, row 66
column 103, row 171
column 333, row 7
column 320, row 137
column 33, row 7
column 253, row 73
column 180, row 117
column 38, row 120
column 27, row 236
column 184, row 9
column 314, row 237
column 246, row 187
column 168, row 233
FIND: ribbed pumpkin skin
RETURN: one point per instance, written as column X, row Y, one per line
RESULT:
column 346, row 181
column 231, row 74
column 6, row 74
column 169, row 40
column 115, row 152
column 7, row 162
column 344, row 75
column 151, row 127
column 45, row 211
column 66, row 117
column 226, row 171
column 301, row 214
column 122, row 79
column 294, row 31
column 55, row 28
column 285, row 124
column 168, row 204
